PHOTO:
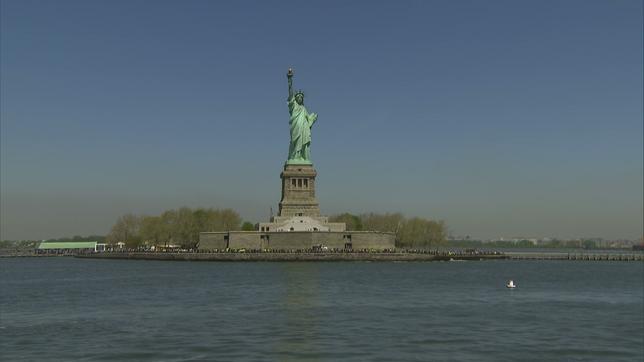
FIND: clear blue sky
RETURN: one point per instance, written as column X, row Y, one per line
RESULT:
column 503, row 118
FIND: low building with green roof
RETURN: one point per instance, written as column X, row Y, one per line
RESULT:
column 67, row 247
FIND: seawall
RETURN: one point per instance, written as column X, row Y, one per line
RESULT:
column 279, row 257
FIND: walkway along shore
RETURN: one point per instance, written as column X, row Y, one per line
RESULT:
column 366, row 256
column 576, row 256
column 268, row 256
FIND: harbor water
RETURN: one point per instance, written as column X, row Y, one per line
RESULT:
column 69, row 309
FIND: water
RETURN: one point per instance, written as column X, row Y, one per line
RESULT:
column 64, row 309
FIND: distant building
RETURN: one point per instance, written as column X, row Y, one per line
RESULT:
column 56, row 247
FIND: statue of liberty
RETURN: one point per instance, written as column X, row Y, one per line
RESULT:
column 300, row 122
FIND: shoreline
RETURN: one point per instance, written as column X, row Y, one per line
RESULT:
column 366, row 256
column 344, row 256
column 279, row 257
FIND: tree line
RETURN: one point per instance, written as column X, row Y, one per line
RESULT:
column 182, row 227
column 413, row 232
column 173, row 227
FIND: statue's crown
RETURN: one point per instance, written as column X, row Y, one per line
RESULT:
column 299, row 92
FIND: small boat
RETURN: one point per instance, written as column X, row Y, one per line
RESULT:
column 511, row 284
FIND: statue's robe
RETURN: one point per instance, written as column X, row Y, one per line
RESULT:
column 301, row 122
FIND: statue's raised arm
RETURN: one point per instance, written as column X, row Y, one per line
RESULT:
column 289, row 75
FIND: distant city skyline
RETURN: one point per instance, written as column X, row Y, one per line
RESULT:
column 501, row 118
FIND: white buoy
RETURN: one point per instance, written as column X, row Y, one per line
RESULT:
column 511, row 284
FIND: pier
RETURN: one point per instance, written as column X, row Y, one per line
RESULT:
column 576, row 256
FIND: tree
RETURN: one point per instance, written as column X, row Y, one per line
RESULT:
column 382, row 222
column 126, row 230
column 169, row 227
column 200, row 219
column 421, row 233
column 185, row 234
column 230, row 220
column 248, row 226
column 353, row 222
column 151, row 230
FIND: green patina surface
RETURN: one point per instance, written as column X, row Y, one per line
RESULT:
column 300, row 123
column 68, row 245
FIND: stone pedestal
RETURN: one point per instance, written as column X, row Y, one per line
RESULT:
column 298, row 192
column 299, row 209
